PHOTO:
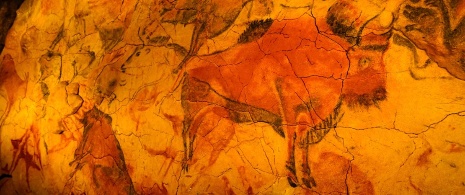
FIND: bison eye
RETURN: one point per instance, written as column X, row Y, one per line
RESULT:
column 363, row 63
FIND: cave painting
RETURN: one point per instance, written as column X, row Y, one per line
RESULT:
column 289, row 75
column 232, row 97
column 437, row 28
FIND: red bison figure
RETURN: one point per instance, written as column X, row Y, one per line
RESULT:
column 290, row 75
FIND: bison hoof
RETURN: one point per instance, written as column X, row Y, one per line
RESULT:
column 309, row 182
column 291, row 181
column 185, row 166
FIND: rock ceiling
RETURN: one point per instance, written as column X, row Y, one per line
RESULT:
column 232, row 97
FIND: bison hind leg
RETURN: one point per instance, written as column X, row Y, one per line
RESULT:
column 192, row 126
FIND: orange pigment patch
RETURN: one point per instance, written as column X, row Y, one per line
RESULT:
column 331, row 172
column 424, row 158
column 159, row 189
column 227, row 189
column 176, row 122
column 168, row 153
column 10, row 81
column 22, row 151
column 456, row 148
column 101, row 152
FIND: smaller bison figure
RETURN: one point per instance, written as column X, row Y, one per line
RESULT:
column 288, row 74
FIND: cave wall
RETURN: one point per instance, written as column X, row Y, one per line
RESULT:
column 232, row 97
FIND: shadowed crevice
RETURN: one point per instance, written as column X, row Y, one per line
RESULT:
column 7, row 17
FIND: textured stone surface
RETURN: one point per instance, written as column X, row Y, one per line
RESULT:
column 233, row 97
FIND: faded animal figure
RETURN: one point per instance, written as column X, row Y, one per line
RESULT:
column 289, row 75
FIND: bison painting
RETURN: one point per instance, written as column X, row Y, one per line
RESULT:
column 288, row 74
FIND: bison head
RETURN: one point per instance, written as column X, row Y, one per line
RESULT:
column 367, row 37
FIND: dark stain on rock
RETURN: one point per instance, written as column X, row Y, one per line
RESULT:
column 45, row 90
column 92, row 57
column 112, row 84
column 417, row 14
column 159, row 40
column 110, row 37
column 462, row 63
column 59, row 36
column 178, row 48
column 380, row 48
column 123, row 68
column 188, row 16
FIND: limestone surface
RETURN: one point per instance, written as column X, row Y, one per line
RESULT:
column 232, row 97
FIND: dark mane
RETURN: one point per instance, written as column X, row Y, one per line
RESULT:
column 255, row 30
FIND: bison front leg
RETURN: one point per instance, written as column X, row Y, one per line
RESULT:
column 307, row 178
column 313, row 134
column 292, row 95
column 301, row 148
column 290, row 164
column 298, row 147
column 306, row 128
